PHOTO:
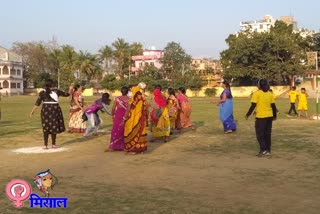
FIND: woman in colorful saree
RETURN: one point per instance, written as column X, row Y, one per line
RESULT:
column 159, row 116
column 226, row 108
column 119, row 109
column 76, row 124
column 183, row 120
column 173, row 107
column 135, row 129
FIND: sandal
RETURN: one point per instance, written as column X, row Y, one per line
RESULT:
column 55, row 146
column 46, row 147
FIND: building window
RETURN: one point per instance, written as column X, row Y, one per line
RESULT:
column 5, row 70
column 13, row 85
column 152, row 63
column 261, row 26
column 5, row 84
column 19, row 72
column 13, row 72
column 146, row 63
column 18, row 85
column 140, row 64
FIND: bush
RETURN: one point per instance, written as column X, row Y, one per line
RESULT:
column 210, row 92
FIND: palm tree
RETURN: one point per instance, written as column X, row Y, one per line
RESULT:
column 67, row 62
column 53, row 60
column 136, row 49
column 88, row 65
column 121, row 54
column 106, row 56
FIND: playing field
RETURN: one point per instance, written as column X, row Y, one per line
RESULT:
column 200, row 171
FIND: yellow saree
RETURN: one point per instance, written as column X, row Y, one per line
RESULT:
column 135, row 131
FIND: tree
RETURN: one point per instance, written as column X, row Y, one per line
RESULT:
column 110, row 82
column 67, row 59
column 106, row 56
column 35, row 59
column 192, row 80
column 272, row 55
column 121, row 54
column 54, row 63
column 86, row 65
column 176, row 62
column 316, row 42
column 151, row 72
column 136, row 49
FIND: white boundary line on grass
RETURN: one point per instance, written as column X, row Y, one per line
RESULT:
column 35, row 150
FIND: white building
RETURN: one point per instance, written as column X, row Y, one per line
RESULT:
column 259, row 26
column 266, row 23
column 11, row 72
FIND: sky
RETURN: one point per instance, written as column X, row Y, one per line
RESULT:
column 200, row 26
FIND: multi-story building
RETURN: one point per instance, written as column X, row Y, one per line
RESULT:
column 148, row 57
column 209, row 70
column 259, row 26
column 11, row 72
column 268, row 21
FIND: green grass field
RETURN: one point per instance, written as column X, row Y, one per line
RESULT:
column 201, row 171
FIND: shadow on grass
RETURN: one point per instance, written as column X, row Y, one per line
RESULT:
column 175, row 135
column 81, row 139
column 5, row 133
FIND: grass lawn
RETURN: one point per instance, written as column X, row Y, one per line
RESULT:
column 199, row 171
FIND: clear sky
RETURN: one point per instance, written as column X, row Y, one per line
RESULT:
column 200, row 26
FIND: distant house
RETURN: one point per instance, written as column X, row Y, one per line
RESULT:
column 148, row 57
column 209, row 70
column 11, row 72
column 268, row 21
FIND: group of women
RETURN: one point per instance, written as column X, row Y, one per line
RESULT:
column 132, row 114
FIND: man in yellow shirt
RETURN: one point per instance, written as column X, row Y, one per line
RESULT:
column 293, row 97
column 266, row 111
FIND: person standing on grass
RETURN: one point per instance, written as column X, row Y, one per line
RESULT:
column 119, row 109
column 292, row 97
column 159, row 117
column 226, row 108
column 135, row 120
column 173, row 107
column 51, row 114
column 266, row 112
column 303, row 102
column 92, row 114
column 183, row 118
column 76, row 124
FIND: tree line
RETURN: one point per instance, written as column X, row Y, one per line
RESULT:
column 44, row 60
column 277, row 55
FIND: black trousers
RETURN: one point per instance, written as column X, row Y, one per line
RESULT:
column 263, row 132
column 46, row 138
column 292, row 108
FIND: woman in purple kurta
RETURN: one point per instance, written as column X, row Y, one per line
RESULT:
column 118, row 111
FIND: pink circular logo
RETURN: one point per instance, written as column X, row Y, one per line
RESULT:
column 18, row 191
